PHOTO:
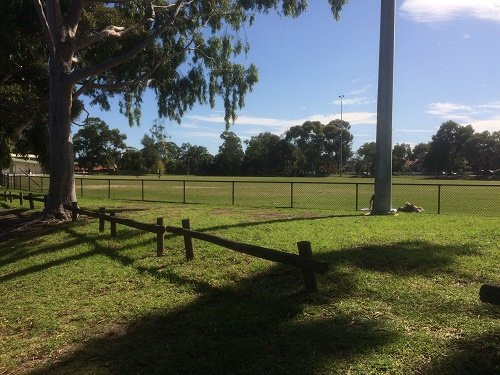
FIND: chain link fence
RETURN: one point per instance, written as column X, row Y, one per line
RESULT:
column 477, row 199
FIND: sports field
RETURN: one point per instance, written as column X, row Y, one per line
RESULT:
column 434, row 195
column 401, row 296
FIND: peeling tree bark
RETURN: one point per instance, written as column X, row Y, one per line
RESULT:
column 62, row 182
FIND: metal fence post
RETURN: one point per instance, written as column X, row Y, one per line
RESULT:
column 14, row 181
column 29, row 183
column 291, row 194
column 184, row 191
column 81, row 187
column 41, row 184
column 142, row 189
column 109, row 188
column 357, row 196
column 233, row 195
column 439, row 199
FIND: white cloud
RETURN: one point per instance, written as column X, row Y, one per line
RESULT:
column 491, row 125
column 277, row 125
column 451, row 111
column 189, row 126
column 360, row 91
column 201, row 134
column 482, row 117
column 415, row 130
column 491, row 105
column 434, row 11
column 355, row 101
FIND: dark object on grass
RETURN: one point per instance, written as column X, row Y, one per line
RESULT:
column 408, row 207
column 490, row 294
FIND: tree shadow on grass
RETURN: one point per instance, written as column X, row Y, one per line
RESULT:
column 254, row 327
column 477, row 355
column 16, row 253
column 401, row 258
column 258, row 324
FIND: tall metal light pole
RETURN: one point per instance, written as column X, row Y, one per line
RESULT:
column 383, row 155
column 341, row 126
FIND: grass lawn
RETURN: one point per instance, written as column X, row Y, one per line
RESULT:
column 455, row 196
column 401, row 296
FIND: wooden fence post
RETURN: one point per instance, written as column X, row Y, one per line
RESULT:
column 113, row 224
column 32, row 202
column 74, row 212
column 102, row 211
column 21, row 200
column 159, row 237
column 309, row 276
column 188, row 240
column 10, row 196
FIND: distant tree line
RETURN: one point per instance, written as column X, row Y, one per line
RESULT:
column 310, row 149
column 453, row 149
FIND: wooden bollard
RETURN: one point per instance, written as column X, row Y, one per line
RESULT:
column 112, row 224
column 490, row 294
column 74, row 212
column 102, row 211
column 32, row 202
column 21, row 198
column 309, row 276
column 159, row 237
column 188, row 240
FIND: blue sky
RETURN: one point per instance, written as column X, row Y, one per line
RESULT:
column 446, row 68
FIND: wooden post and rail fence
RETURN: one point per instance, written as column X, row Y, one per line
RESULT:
column 303, row 260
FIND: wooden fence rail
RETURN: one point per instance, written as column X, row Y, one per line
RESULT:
column 303, row 260
column 254, row 250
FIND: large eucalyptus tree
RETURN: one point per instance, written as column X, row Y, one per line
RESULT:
column 180, row 49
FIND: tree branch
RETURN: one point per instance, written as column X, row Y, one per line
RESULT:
column 120, row 85
column 45, row 26
column 109, row 32
column 55, row 19
column 78, row 75
column 74, row 15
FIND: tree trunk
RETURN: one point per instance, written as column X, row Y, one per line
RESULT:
column 62, row 182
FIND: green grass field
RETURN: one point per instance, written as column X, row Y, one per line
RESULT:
column 401, row 296
column 455, row 196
